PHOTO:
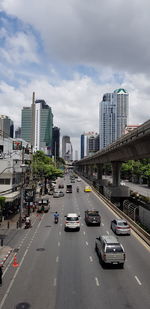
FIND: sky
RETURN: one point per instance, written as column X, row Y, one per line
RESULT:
column 71, row 52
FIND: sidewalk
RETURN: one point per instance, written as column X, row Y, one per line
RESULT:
column 4, row 254
column 4, row 231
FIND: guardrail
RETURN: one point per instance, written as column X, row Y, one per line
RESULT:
column 142, row 233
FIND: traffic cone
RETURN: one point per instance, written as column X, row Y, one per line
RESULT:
column 15, row 264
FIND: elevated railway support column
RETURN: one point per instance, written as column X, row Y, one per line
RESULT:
column 90, row 171
column 99, row 171
column 116, row 166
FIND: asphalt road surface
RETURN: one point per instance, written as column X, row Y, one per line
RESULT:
column 61, row 270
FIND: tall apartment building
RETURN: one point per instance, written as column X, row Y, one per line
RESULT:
column 55, row 142
column 67, row 151
column 89, row 144
column 113, row 115
column 42, row 126
column 6, row 126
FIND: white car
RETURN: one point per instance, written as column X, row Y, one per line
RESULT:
column 120, row 227
column 72, row 222
column 78, row 179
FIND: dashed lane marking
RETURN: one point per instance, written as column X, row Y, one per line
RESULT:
column 91, row 259
column 107, row 232
column 137, row 279
column 58, row 243
column 55, row 282
column 102, row 224
column 86, row 243
column 60, row 233
column 96, row 280
column 57, row 259
column 83, row 232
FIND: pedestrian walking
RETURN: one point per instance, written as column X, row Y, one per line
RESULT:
column 1, row 273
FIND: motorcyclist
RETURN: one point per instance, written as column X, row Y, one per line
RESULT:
column 56, row 216
column 77, row 189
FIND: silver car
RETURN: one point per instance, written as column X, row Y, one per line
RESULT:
column 120, row 227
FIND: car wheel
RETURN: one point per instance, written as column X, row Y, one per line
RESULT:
column 122, row 265
column 78, row 229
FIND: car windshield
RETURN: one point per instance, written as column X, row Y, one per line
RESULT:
column 113, row 249
column 93, row 214
column 72, row 218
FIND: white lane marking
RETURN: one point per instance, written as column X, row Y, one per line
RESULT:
column 83, row 232
column 107, row 232
column 61, row 224
column 137, row 279
column 96, row 280
column 102, row 224
column 55, row 282
column 86, row 243
column 59, row 233
column 57, row 259
column 82, row 224
column 17, row 270
column 58, row 243
column 91, row 259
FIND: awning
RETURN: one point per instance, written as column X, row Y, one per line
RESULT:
column 10, row 197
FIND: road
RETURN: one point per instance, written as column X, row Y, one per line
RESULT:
column 60, row 270
column 142, row 189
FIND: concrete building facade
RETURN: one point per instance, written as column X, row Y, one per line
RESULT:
column 43, row 124
column 6, row 126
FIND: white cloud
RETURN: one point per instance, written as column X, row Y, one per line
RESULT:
column 19, row 48
column 74, row 103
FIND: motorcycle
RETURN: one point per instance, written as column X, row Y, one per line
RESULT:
column 27, row 224
column 56, row 219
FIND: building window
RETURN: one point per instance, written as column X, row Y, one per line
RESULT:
column 4, row 181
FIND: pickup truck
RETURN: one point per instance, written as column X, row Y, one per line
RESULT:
column 109, row 250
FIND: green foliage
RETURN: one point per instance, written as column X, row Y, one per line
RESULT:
column 139, row 168
column 43, row 166
column 2, row 202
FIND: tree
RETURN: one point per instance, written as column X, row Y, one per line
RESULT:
column 43, row 168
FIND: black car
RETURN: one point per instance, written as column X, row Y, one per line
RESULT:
column 92, row 217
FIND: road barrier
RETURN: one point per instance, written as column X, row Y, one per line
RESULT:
column 142, row 233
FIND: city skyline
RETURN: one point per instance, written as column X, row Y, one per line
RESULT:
column 71, row 64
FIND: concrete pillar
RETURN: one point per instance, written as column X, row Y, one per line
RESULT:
column 91, row 171
column 99, row 171
column 116, row 166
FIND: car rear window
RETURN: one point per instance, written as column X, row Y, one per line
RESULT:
column 122, row 223
column 93, row 215
column 113, row 249
column 72, row 218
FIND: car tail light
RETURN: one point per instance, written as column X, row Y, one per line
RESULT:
column 77, row 221
column 118, row 227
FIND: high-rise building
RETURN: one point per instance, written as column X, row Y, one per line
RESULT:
column 6, row 126
column 76, row 155
column 26, row 124
column 67, row 151
column 18, row 133
column 113, row 114
column 56, row 142
column 89, row 144
column 43, row 123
